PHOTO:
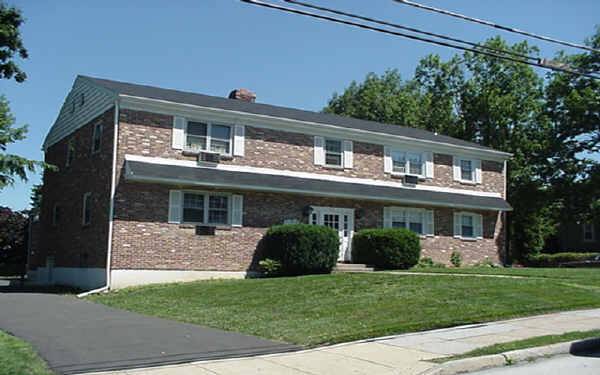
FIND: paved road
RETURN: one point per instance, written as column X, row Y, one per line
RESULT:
column 567, row 364
column 76, row 336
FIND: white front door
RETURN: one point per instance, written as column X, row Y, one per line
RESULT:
column 340, row 220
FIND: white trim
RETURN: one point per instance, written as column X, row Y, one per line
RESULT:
column 178, row 181
column 124, row 278
column 314, row 176
column 305, row 127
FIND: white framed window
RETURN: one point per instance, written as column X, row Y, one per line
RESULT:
column 408, row 163
column 87, row 208
column 56, row 214
column 468, row 225
column 333, row 153
column 467, row 170
column 205, row 208
column 418, row 220
column 97, row 137
column 70, row 152
column 399, row 161
column 589, row 234
column 208, row 136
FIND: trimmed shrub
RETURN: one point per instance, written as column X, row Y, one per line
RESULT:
column 302, row 249
column 427, row 262
column 386, row 248
column 554, row 260
column 456, row 258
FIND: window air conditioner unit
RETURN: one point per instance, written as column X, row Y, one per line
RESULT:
column 411, row 179
column 210, row 157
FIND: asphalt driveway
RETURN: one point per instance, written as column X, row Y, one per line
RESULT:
column 76, row 336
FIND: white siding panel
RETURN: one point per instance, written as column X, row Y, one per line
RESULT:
column 96, row 101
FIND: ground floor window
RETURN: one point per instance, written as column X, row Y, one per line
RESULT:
column 200, row 208
column 468, row 225
column 588, row 232
column 417, row 220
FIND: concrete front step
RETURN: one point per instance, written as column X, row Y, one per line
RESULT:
column 352, row 267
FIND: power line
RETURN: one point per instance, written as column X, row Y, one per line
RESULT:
column 505, row 28
column 418, row 31
column 539, row 64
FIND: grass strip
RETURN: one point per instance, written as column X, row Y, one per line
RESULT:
column 531, row 342
column 19, row 358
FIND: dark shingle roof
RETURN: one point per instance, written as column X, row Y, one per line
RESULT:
column 149, row 172
column 183, row 97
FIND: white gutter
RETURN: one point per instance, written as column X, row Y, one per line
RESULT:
column 111, row 211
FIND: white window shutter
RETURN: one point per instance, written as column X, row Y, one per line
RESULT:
column 387, row 159
column 478, row 226
column 457, row 225
column 238, row 140
column 429, row 223
column 237, row 210
column 477, row 167
column 178, row 137
column 175, row 203
column 387, row 217
column 348, row 157
column 319, row 150
column 456, row 168
column 429, row 164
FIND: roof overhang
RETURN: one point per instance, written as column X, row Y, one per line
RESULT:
column 140, row 171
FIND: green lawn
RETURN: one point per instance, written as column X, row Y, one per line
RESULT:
column 523, row 344
column 324, row 309
column 19, row 358
column 583, row 276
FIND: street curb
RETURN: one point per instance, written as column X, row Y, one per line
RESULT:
column 512, row 357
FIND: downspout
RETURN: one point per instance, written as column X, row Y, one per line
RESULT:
column 111, row 209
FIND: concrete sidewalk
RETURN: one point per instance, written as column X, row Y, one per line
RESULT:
column 402, row 354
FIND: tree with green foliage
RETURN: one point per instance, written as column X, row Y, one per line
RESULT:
column 11, row 44
column 11, row 166
column 500, row 104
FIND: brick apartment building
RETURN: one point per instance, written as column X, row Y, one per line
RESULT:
column 157, row 185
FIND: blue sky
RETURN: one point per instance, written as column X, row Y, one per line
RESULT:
column 214, row 46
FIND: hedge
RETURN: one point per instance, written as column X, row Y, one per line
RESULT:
column 554, row 260
column 386, row 248
column 301, row 248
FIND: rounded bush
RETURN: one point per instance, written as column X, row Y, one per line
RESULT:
column 301, row 248
column 386, row 248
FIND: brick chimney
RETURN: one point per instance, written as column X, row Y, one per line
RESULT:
column 243, row 94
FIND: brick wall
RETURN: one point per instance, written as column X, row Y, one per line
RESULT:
column 71, row 243
column 148, row 134
column 143, row 239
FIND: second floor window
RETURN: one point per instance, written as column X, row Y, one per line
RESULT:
column 407, row 163
column 97, row 137
column 466, row 170
column 70, row 152
column 203, row 136
column 333, row 153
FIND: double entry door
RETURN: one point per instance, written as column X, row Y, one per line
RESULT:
column 342, row 221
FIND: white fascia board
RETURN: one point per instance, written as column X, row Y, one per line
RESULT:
column 184, row 182
column 306, row 175
column 306, row 127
